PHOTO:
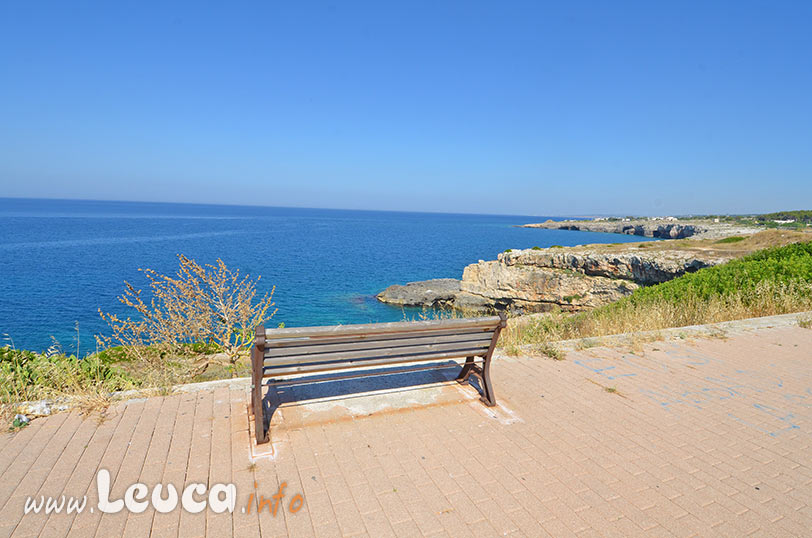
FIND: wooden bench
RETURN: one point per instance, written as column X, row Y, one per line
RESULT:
column 281, row 353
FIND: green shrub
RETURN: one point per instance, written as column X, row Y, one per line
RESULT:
column 25, row 375
column 787, row 265
column 802, row 216
column 551, row 351
column 731, row 239
column 508, row 250
column 536, row 248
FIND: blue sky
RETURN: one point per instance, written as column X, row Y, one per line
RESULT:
column 491, row 107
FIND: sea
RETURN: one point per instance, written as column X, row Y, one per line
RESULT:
column 61, row 261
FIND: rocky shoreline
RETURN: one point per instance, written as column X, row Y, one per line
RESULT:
column 435, row 293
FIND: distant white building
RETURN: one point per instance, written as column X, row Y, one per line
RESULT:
column 788, row 221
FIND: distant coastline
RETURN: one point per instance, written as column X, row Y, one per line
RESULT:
column 662, row 228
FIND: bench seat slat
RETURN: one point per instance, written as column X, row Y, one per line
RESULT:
column 462, row 348
column 375, row 371
column 342, row 365
column 288, row 342
column 383, row 328
column 407, row 341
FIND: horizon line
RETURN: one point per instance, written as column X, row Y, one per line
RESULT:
column 570, row 216
column 279, row 206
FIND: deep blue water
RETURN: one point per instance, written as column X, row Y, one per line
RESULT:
column 61, row 261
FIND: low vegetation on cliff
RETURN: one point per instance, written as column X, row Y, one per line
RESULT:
column 26, row 376
column 772, row 281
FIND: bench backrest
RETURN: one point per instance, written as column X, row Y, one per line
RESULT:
column 317, row 349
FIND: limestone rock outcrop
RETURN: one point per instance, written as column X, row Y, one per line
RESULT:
column 436, row 293
column 538, row 280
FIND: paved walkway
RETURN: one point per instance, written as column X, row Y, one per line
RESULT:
column 688, row 438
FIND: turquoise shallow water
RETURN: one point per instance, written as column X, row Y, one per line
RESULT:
column 60, row 261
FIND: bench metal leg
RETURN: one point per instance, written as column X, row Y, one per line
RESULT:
column 465, row 373
column 482, row 373
column 257, row 360
column 488, row 398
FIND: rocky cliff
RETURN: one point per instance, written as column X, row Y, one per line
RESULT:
column 539, row 280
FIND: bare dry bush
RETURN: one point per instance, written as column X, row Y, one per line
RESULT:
column 208, row 307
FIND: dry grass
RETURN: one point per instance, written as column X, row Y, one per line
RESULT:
column 93, row 403
column 587, row 343
column 627, row 317
column 610, row 390
column 513, row 340
column 551, row 351
column 432, row 314
column 7, row 413
column 635, row 342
